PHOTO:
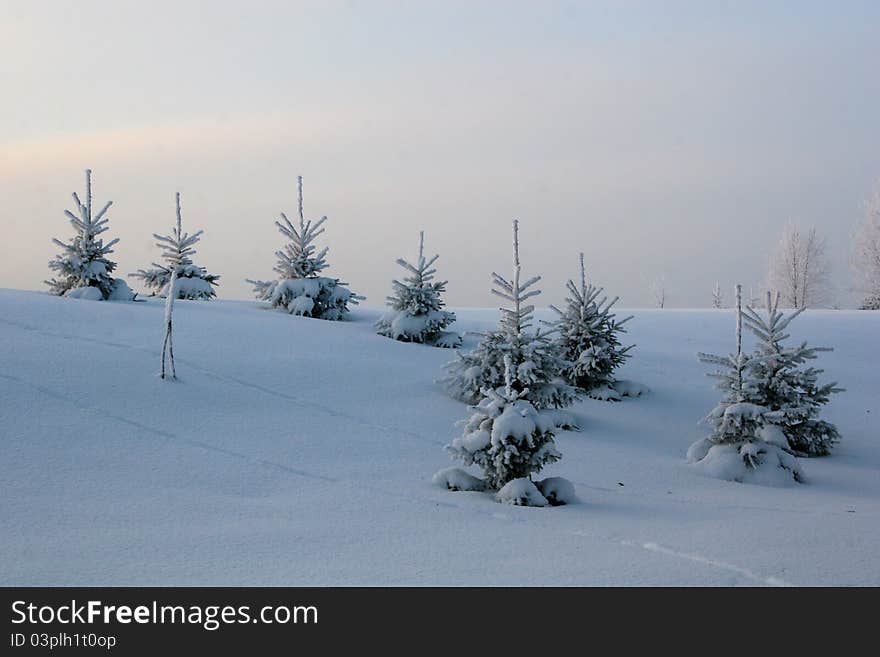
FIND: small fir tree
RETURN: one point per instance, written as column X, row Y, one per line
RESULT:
column 536, row 366
column 192, row 281
column 588, row 337
column 743, row 440
column 717, row 296
column 781, row 381
column 417, row 313
column 506, row 435
column 83, row 268
column 300, row 290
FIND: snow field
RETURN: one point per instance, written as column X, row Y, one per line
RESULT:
column 294, row 451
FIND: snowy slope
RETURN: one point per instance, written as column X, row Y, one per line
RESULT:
column 298, row 452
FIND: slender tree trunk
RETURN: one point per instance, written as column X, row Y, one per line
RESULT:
column 168, row 343
column 739, row 329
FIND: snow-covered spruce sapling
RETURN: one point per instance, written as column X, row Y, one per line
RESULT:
column 744, row 444
column 537, row 366
column 83, row 269
column 588, row 340
column 178, row 249
column 510, row 440
column 300, row 290
column 782, row 382
column 416, row 308
column 192, row 281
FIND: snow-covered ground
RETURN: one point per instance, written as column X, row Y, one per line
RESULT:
column 300, row 452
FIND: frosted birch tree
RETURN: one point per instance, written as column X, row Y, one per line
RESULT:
column 799, row 269
column 658, row 291
column 866, row 255
column 717, row 296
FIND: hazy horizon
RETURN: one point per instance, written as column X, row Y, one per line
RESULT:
column 672, row 139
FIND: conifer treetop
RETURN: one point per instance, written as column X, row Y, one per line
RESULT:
column 418, row 287
column 178, row 246
column 422, row 272
column 771, row 330
column 515, row 320
column 298, row 258
column 87, row 226
column 584, row 299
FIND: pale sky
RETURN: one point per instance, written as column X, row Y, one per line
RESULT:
column 670, row 139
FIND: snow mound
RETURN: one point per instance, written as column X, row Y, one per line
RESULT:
column 193, row 287
column 519, row 420
column 557, row 491
column 447, row 340
column 458, row 479
column 618, row 390
column 90, row 293
column 424, row 328
column 697, row 451
column 119, row 291
column 473, row 442
column 604, row 393
column 561, row 419
column 630, row 388
column 752, row 462
column 521, row 492
column 319, row 297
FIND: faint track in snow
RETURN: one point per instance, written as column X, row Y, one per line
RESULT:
column 707, row 561
column 409, row 497
column 652, row 496
column 692, row 557
column 332, row 412
column 166, row 434
column 358, row 486
column 305, row 403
